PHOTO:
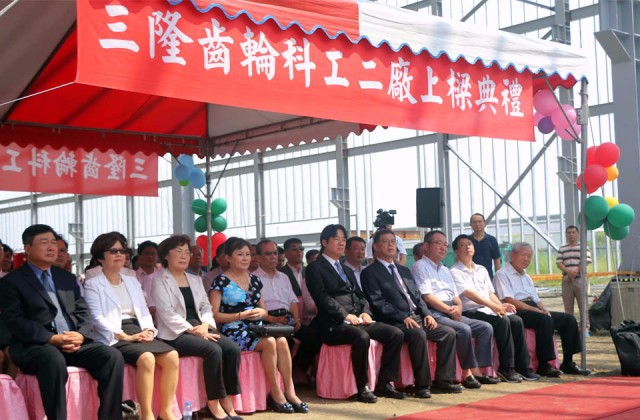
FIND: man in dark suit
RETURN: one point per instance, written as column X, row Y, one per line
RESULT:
column 344, row 317
column 50, row 323
column 294, row 251
column 395, row 300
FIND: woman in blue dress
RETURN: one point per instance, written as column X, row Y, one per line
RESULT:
column 237, row 303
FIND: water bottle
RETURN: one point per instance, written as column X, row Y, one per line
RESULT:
column 187, row 413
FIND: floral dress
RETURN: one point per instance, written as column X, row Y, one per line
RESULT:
column 234, row 300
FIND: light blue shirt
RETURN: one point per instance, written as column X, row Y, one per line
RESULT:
column 434, row 279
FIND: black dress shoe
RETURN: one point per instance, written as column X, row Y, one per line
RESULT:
column 528, row 374
column 548, row 371
column 285, row 408
column 389, row 391
column 509, row 375
column 573, row 369
column 487, row 380
column 302, row 408
column 471, row 382
column 445, row 388
column 422, row 393
column 365, row 395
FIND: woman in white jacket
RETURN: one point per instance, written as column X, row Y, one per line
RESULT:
column 122, row 320
column 185, row 321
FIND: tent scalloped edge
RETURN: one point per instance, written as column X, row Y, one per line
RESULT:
column 380, row 44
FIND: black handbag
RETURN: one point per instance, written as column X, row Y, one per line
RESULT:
column 626, row 338
column 272, row 330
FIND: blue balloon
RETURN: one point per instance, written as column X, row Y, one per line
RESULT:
column 197, row 178
column 186, row 160
column 546, row 125
column 182, row 172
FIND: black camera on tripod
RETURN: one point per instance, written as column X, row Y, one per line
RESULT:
column 384, row 218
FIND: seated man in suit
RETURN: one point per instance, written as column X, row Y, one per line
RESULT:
column 439, row 292
column 344, row 317
column 395, row 300
column 50, row 325
column 513, row 285
column 294, row 251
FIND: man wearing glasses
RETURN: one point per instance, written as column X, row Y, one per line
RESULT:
column 439, row 292
column 294, row 252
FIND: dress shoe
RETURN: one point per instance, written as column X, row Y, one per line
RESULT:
column 445, row 388
column 509, row 375
column 528, row 374
column 548, row 371
column 301, row 408
column 285, row 408
column 422, row 393
column 573, row 369
column 471, row 382
column 389, row 391
column 487, row 380
column 366, row 396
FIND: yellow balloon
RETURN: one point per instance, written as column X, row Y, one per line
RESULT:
column 612, row 173
column 612, row 201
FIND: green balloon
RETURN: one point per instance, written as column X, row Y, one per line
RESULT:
column 621, row 215
column 596, row 208
column 200, row 224
column 594, row 224
column 184, row 183
column 616, row 233
column 218, row 223
column 218, row 206
column 199, row 206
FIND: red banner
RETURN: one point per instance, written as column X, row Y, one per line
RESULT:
column 156, row 48
column 77, row 171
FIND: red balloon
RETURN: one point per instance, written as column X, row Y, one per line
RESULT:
column 579, row 182
column 591, row 155
column 216, row 240
column 595, row 176
column 201, row 241
column 607, row 154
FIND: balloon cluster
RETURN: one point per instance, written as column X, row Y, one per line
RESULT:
column 218, row 222
column 600, row 166
column 187, row 173
column 550, row 116
column 606, row 212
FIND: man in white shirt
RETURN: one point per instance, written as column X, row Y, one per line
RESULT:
column 439, row 292
column 148, row 270
column 513, row 285
column 195, row 263
column 278, row 294
column 480, row 302
column 354, row 253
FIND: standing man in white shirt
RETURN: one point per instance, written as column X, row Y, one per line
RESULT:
column 354, row 253
column 513, row 285
column 440, row 294
column 568, row 261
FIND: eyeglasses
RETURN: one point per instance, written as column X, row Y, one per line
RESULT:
column 269, row 253
column 440, row 243
column 182, row 252
column 389, row 242
column 297, row 248
column 115, row 251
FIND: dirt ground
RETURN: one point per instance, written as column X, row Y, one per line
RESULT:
column 601, row 360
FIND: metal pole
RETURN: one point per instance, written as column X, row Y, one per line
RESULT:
column 207, row 174
column 584, row 121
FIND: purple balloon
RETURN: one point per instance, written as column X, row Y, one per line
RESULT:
column 546, row 125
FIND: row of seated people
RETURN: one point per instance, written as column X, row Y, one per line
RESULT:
column 56, row 316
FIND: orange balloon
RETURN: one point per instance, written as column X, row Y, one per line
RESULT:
column 612, row 173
